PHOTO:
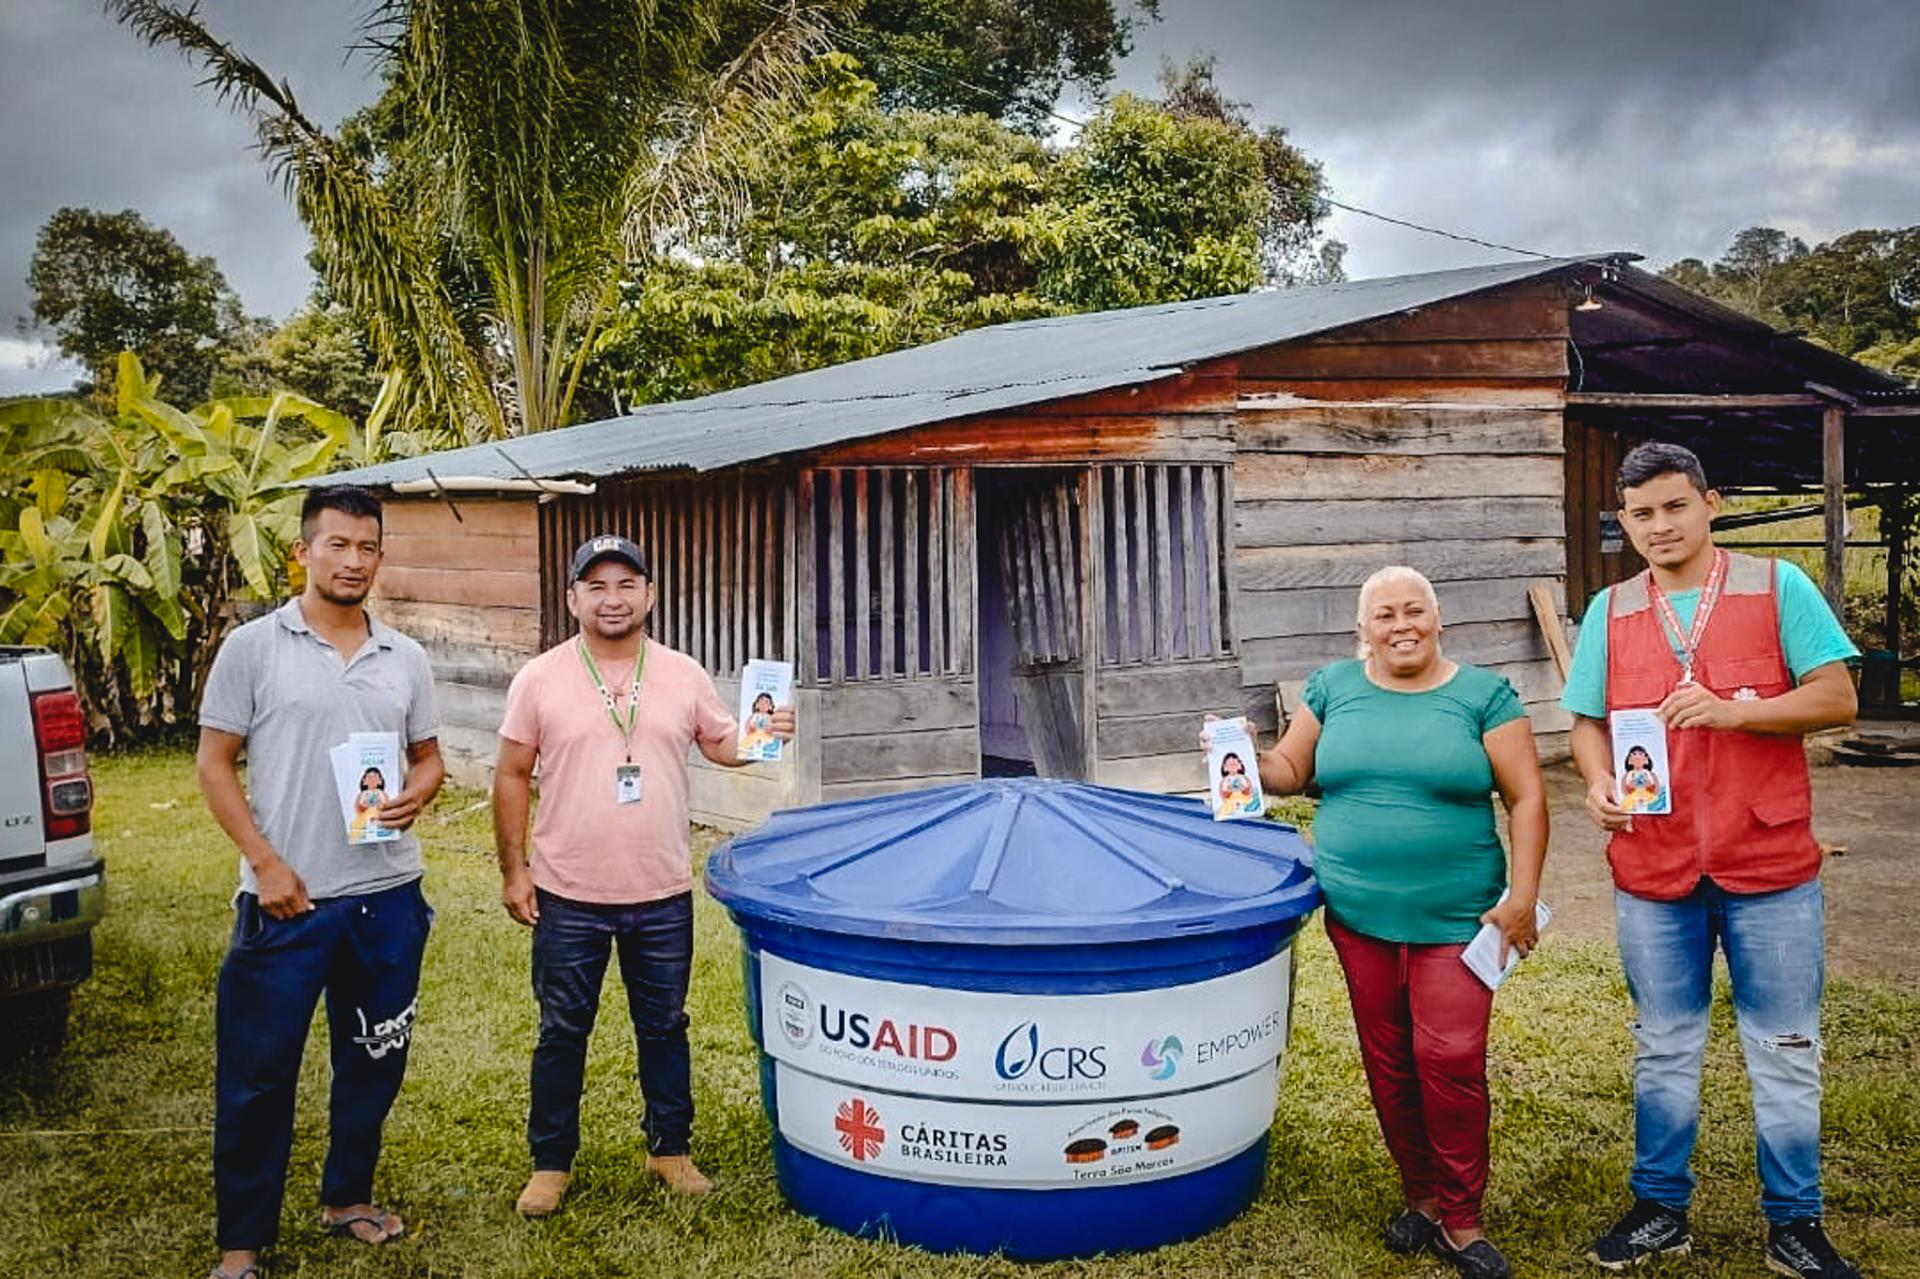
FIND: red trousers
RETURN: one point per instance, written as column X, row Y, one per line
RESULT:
column 1422, row 1018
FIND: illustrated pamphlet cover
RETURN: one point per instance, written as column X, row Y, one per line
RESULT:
column 1233, row 770
column 1482, row 954
column 1642, row 782
column 764, row 685
column 367, row 772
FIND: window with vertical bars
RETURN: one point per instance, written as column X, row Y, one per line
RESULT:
column 721, row 550
column 1165, row 560
column 892, row 591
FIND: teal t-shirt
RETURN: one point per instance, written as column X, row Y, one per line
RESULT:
column 1406, row 849
column 1810, row 636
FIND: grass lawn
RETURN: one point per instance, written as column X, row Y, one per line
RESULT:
column 104, row 1155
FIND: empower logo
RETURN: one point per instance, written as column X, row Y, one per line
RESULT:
column 1162, row 1057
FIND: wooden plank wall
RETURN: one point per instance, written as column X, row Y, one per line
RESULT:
column 467, row 587
column 735, row 799
column 1149, row 722
column 1181, row 424
column 891, row 567
column 880, row 737
column 721, row 548
column 1592, row 462
column 1432, row 439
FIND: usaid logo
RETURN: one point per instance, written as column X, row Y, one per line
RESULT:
column 1024, row 1051
column 795, row 1011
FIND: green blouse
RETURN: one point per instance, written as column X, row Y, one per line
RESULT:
column 1406, row 848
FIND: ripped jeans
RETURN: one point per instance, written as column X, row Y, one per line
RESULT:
column 1775, row 945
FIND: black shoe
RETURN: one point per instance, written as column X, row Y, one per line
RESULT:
column 1412, row 1231
column 1800, row 1249
column 1649, row 1230
column 1478, row 1260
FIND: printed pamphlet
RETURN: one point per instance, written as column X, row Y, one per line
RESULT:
column 1482, row 954
column 1233, row 770
column 764, row 685
column 1642, row 783
column 367, row 770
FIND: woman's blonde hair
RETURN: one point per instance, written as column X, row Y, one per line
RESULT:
column 1388, row 576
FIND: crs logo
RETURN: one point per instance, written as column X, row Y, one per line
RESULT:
column 795, row 1010
column 859, row 1127
column 1022, row 1051
column 1162, row 1057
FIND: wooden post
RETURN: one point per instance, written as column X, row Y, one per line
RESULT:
column 1893, row 531
column 1833, row 467
column 966, row 589
column 1093, row 612
column 939, row 556
column 889, row 565
column 835, row 571
column 914, row 576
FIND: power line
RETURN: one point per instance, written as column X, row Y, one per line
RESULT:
column 984, row 93
column 1434, row 230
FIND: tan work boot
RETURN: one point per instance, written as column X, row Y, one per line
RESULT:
column 678, row 1172
column 545, row 1189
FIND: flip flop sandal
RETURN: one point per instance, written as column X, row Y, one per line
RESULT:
column 379, row 1218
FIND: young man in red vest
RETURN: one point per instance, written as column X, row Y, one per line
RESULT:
column 1739, row 657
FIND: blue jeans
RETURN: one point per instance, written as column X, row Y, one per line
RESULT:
column 571, row 945
column 1775, row 945
column 363, row 953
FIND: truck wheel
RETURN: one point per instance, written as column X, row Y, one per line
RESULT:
column 38, row 1024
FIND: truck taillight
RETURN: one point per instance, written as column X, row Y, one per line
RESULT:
column 60, row 730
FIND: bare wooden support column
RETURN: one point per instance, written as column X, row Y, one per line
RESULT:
column 1893, row 530
column 1833, row 467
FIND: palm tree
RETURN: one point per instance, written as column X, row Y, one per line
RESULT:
column 542, row 145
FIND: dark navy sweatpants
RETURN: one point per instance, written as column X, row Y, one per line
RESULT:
column 363, row 953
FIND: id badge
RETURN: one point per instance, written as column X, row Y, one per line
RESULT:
column 626, row 784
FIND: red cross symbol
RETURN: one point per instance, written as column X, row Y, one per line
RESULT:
column 860, row 1132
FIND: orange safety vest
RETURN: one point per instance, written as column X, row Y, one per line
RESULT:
column 1742, row 802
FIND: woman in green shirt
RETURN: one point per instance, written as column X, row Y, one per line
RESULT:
column 1407, row 746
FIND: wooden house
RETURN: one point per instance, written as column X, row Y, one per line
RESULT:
column 1050, row 546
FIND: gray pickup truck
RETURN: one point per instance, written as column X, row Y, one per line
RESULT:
column 52, row 885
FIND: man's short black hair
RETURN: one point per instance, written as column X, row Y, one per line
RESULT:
column 349, row 499
column 1645, row 461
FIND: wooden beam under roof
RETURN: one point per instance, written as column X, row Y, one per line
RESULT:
column 1691, row 403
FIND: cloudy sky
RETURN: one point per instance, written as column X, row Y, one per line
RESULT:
column 1659, row 126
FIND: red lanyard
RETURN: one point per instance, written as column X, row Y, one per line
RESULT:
column 1685, row 646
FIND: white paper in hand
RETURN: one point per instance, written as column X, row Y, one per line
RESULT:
column 1233, row 770
column 764, row 686
column 367, row 773
column 1482, row 954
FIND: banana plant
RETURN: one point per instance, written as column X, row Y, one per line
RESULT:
column 97, row 514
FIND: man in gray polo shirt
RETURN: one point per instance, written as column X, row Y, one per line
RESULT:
column 317, row 913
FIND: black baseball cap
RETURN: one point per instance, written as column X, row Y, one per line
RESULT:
column 607, row 546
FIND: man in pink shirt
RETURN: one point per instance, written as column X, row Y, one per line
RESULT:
column 608, row 716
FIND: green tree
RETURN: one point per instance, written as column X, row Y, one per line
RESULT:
column 112, row 282
column 1858, row 293
column 318, row 353
column 126, row 537
column 873, row 230
column 1009, row 59
column 538, row 143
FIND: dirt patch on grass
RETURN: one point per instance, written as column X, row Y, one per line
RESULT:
column 1872, row 911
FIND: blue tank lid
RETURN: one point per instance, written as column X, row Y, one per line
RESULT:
column 1015, row 861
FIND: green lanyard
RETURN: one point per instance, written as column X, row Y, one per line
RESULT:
column 633, row 694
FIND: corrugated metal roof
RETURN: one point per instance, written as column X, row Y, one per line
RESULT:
column 985, row 370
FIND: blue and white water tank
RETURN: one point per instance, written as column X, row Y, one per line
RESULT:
column 1040, row 1018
